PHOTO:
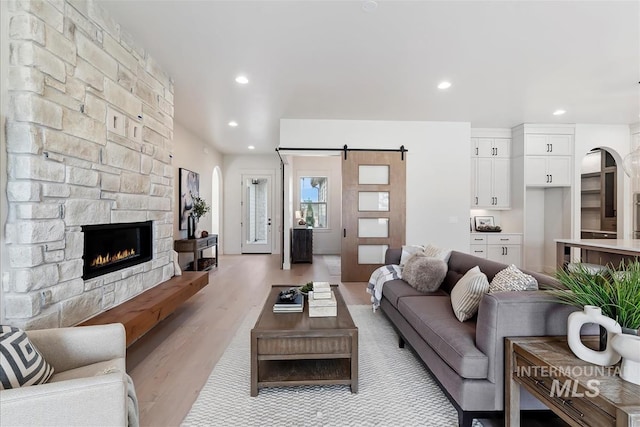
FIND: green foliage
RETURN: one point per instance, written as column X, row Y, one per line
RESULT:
column 200, row 208
column 615, row 291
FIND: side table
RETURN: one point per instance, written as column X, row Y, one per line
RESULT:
column 581, row 393
column 196, row 246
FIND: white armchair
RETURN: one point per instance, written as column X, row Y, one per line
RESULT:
column 88, row 387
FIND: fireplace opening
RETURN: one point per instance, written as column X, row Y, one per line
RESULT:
column 111, row 247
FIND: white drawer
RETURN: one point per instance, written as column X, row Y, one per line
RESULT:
column 505, row 239
column 479, row 250
column 478, row 239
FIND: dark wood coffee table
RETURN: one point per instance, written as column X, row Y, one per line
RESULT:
column 289, row 349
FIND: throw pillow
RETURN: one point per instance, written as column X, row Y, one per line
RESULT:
column 467, row 293
column 408, row 251
column 436, row 252
column 512, row 279
column 21, row 364
column 423, row 273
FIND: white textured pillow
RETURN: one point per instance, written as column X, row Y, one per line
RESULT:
column 436, row 252
column 467, row 293
column 512, row 279
column 408, row 251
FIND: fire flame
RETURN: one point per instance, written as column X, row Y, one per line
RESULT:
column 101, row 260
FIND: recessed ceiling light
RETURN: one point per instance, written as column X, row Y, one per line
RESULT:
column 243, row 80
column 444, row 85
column 559, row 112
column 369, row 5
column 251, row 147
column 233, row 124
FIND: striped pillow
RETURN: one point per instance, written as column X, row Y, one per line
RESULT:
column 467, row 293
column 21, row 363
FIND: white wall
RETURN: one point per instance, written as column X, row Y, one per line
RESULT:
column 193, row 153
column 438, row 168
column 329, row 240
column 234, row 167
column 616, row 139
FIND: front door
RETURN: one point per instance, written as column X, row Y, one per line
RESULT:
column 373, row 210
column 256, row 207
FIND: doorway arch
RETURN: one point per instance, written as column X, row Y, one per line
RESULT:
column 601, row 204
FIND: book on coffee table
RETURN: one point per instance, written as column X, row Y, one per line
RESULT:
column 294, row 306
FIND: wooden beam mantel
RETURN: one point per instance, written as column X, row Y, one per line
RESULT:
column 143, row 312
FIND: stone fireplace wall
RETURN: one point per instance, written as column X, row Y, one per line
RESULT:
column 89, row 141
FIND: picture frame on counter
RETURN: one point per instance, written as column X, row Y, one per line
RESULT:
column 483, row 221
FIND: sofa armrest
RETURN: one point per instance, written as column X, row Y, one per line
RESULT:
column 393, row 256
column 69, row 348
column 91, row 401
column 516, row 314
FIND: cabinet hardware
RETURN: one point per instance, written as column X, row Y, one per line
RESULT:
column 551, row 148
column 506, row 251
column 476, row 151
column 476, row 200
column 478, row 252
column 504, row 240
column 550, row 178
column 344, row 232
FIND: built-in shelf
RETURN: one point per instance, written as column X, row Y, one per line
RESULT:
column 584, row 208
column 590, row 191
column 591, row 175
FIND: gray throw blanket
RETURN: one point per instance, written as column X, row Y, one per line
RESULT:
column 378, row 278
column 132, row 405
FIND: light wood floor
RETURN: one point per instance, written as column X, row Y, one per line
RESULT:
column 171, row 363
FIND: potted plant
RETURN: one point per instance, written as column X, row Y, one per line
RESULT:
column 615, row 291
column 200, row 209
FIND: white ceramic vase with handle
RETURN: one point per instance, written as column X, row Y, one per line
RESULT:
column 592, row 314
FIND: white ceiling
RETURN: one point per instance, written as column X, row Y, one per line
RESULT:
column 510, row 62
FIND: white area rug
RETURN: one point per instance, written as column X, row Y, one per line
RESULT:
column 333, row 264
column 394, row 388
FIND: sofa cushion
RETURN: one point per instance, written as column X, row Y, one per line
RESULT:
column 424, row 273
column 467, row 293
column 396, row 289
column 512, row 279
column 99, row 368
column 433, row 319
column 21, row 363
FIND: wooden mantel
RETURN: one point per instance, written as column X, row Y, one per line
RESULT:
column 143, row 312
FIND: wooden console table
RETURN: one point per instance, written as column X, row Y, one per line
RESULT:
column 581, row 393
column 598, row 251
column 196, row 246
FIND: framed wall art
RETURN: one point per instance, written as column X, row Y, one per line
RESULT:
column 189, row 190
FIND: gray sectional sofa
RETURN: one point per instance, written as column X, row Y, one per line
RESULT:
column 467, row 358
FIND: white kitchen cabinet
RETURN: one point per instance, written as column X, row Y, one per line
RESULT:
column 501, row 247
column 506, row 254
column 548, row 160
column 549, row 145
column 548, row 171
column 491, row 147
column 490, row 183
